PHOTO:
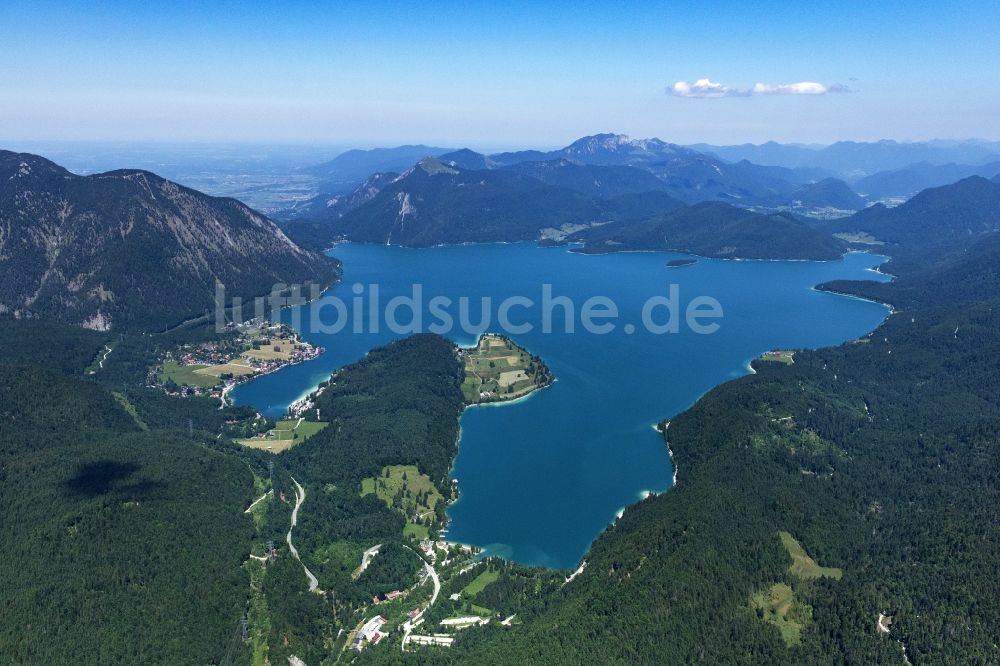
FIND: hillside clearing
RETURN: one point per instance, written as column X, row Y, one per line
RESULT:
column 285, row 434
column 804, row 566
column 778, row 606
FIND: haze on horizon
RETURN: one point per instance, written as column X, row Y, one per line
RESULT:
column 492, row 77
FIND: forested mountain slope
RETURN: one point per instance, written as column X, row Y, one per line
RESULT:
column 434, row 203
column 325, row 207
column 130, row 250
column 602, row 165
column 826, row 193
column 592, row 180
column 125, row 531
column 941, row 217
column 916, row 177
column 397, row 406
column 716, row 230
column 123, row 540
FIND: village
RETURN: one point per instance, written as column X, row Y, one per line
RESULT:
column 455, row 575
column 246, row 350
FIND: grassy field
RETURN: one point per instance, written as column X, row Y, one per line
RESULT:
column 130, row 408
column 785, row 357
column 186, row 375
column 804, row 566
column 497, row 369
column 258, row 614
column 404, row 488
column 479, row 583
column 234, row 368
column 269, row 445
column 418, row 494
column 206, row 376
column 416, row 531
column 275, row 349
column 286, row 434
column 777, row 605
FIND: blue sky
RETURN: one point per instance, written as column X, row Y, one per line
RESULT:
column 491, row 76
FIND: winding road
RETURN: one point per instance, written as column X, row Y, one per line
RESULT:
column 300, row 497
column 437, row 582
column 366, row 558
column 108, row 348
column 410, row 624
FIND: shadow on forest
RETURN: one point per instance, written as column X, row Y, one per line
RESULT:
column 105, row 476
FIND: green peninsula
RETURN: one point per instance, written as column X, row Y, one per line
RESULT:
column 497, row 370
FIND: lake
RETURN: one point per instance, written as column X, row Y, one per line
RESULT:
column 540, row 478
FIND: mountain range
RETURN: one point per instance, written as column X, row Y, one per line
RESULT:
column 128, row 249
column 433, row 203
column 344, row 172
column 630, row 166
column 853, row 159
column 607, row 208
column 689, row 175
column 73, row 245
column 766, row 177
column 909, row 180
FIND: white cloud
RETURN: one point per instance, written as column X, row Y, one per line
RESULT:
column 801, row 88
column 706, row 88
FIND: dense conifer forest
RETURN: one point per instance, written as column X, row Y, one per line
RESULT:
column 121, row 544
column 126, row 537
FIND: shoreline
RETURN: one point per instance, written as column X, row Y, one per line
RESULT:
column 455, row 488
column 224, row 398
column 455, row 494
column 670, row 452
column 578, row 251
column 843, row 294
column 503, row 402
column 228, row 388
column 299, row 337
column 524, row 396
column 574, row 247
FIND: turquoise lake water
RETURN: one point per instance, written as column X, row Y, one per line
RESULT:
column 540, row 478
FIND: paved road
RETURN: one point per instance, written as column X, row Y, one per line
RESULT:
column 410, row 624
column 300, row 497
column 367, row 557
column 437, row 582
